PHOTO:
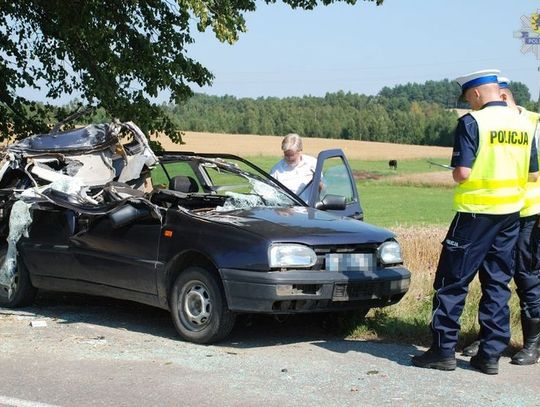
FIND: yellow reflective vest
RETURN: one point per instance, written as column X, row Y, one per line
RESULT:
column 532, row 189
column 496, row 184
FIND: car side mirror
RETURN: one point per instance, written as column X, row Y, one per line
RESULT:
column 331, row 202
column 126, row 214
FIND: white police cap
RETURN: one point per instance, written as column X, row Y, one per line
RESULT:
column 478, row 78
column 503, row 82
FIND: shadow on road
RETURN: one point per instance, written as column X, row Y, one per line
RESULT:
column 67, row 308
column 250, row 331
column 398, row 353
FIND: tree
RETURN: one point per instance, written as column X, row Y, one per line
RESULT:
column 521, row 93
column 117, row 54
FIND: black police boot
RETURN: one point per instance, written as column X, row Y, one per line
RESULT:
column 432, row 359
column 487, row 366
column 530, row 353
column 472, row 349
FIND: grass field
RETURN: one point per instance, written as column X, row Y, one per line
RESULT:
column 417, row 193
column 250, row 146
column 408, row 321
column 403, row 205
column 413, row 201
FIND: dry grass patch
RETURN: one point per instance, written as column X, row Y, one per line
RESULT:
column 441, row 179
column 408, row 321
column 252, row 145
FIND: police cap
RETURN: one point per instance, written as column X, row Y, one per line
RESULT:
column 478, row 78
column 504, row 82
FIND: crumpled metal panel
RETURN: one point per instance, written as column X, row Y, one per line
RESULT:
column 19, row 221
column 88, row 138
column 70, row 162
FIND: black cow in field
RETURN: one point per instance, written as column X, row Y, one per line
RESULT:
column 392, row 164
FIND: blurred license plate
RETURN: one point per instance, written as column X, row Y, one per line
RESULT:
column 349, row 262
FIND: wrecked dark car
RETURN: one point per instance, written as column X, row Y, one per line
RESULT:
column 206, row 236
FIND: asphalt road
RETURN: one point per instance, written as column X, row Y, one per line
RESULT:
column 96, row 351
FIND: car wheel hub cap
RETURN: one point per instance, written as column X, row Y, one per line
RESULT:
column 197, row 305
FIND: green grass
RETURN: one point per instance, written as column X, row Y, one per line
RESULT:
column 391, row 205
column 264, row 162
column 377, row 167
column 384, row 204
column 408, row 321
column 159, row 177
column 395, row 205
column 404, row 166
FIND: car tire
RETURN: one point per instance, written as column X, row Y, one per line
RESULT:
column 22, row 292
column 198, row 307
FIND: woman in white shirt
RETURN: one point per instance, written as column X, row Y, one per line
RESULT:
column 295, row 170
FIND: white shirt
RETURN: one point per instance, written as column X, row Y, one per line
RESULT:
column 296, row 178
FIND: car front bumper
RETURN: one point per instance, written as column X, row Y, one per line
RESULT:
column 312, row 291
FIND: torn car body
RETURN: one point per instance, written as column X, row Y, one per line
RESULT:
column 81, row 164
column 213, row 237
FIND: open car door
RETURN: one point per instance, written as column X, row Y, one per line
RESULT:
column 332, row 181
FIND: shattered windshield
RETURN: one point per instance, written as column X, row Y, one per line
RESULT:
column 243, row 186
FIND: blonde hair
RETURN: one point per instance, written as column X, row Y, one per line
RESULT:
column 292, row 141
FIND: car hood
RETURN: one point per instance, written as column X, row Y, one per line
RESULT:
column 303, row 225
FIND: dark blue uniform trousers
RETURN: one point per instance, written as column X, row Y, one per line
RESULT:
column 475, row 243
column 527, row 276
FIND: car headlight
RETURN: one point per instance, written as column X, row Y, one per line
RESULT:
column 390, row 253
column 291, row 255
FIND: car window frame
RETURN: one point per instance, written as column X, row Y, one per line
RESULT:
column 353, row 209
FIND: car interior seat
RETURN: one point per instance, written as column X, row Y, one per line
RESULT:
column 183, row 183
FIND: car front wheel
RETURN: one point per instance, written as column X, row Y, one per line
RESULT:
column 21, row 292
column 199, row 308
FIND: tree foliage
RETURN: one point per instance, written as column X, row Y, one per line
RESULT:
column 410, row 114
column 521, row 93
column 336, row 115
column 116, row 54
column 443, row 92
column 446, row 93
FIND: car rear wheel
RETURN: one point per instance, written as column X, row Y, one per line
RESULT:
column 199, row 308
column 21, row 292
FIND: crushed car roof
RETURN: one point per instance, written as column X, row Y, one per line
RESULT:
column 91, row 137
column 95, row 154
column 74, row 167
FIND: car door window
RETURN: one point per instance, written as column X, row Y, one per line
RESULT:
column 223, row 181
column 335, row 180
column 160, row 178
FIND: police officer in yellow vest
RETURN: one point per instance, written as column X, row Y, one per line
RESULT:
column 494, row 155
column 527, row 272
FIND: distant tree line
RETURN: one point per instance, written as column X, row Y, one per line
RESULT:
column 422, row 114
column 446, row 93
column 337, row 115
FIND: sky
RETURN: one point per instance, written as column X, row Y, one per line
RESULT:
column 364, row 47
